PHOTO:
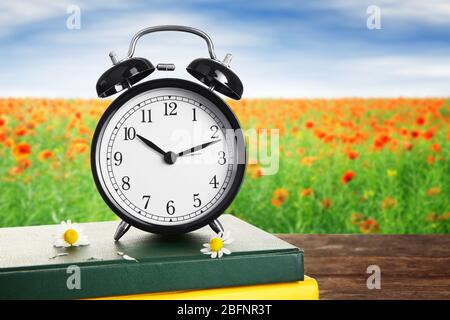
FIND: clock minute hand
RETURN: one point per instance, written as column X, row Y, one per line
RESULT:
column 151, row 145
column 197, row 148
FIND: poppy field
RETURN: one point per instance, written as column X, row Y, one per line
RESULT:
column 345, row 165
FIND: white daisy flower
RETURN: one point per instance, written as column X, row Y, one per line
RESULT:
column 70, row 234
column 215, row 248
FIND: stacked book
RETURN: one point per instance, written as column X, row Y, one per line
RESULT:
column 148, row 266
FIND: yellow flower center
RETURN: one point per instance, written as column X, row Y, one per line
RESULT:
column 216, row 244
column 71, row 236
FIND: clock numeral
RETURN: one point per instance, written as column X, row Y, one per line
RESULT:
column 170, row 208
column 118, row 158
column 170, row 109
column 197, row 201
column 194, row 114
column 146, row 115
column 222, row 160
column 126, row 183
column 147, row 200
column 214, row 129
column 214, row 182
column 130, row 133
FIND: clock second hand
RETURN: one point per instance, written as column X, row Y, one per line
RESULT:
column 197, row 148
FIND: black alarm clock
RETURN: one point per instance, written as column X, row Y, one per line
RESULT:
column 168, row 155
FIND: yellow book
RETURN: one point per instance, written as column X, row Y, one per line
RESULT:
column 298, row 290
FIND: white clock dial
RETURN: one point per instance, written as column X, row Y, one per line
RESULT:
column 130, row 157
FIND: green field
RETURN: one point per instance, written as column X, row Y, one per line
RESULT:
column 395, row 153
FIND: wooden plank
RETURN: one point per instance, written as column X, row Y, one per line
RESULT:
column 371, row 245
column 418, row 266
column 412, row 266
column 339, row 287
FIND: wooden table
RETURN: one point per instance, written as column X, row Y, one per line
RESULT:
column 412, row 266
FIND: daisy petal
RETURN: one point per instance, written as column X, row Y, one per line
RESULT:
column 129, row 258
column 228, row 241
column 62, row 254
column 206, row 245
column 220, row 254
column 214, row 254
column 62, row 228
column 62, row 245
column 205, row 250
column 226, row 251
column 58, row 243
column 83, row 241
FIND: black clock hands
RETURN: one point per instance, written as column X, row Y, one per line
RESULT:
column 171, row 157
column 151, row 145
column 197, row 148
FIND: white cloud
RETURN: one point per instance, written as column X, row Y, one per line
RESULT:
column 19, row 13
column 79, row 57
column 419, row 11
column 387, row 76
column 410, row 11
column 67, row 63
column 22, row 12
column 426, row 68
column 400, row 11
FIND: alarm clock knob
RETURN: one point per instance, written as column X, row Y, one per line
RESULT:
column 165, row 67
column 227, row 60
column 114, row 58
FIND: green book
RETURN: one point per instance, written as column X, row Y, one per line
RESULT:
column 30, row 270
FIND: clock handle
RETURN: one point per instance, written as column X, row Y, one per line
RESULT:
column 217, row 226
column 121, row 230
column 195, row 31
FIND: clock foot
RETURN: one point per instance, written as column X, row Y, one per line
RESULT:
column 121, row 230
column 217, row 226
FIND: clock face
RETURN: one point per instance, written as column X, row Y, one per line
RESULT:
column 164, row 157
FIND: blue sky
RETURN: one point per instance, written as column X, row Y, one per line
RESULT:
column 280, row 48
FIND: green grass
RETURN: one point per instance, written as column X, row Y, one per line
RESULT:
column 62, row 187
column 307, row 215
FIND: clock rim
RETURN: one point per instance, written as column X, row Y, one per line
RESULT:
column 220, row 104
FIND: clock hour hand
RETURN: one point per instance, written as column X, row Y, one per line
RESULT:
column 151, row 145
column 197, row 148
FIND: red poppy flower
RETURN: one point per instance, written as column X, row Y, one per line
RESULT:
column 21, row 150
column 408, row 145
column 352, row 155
column 347, row 177
column 436, row 147
column 428, row 135
column 420, row 121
